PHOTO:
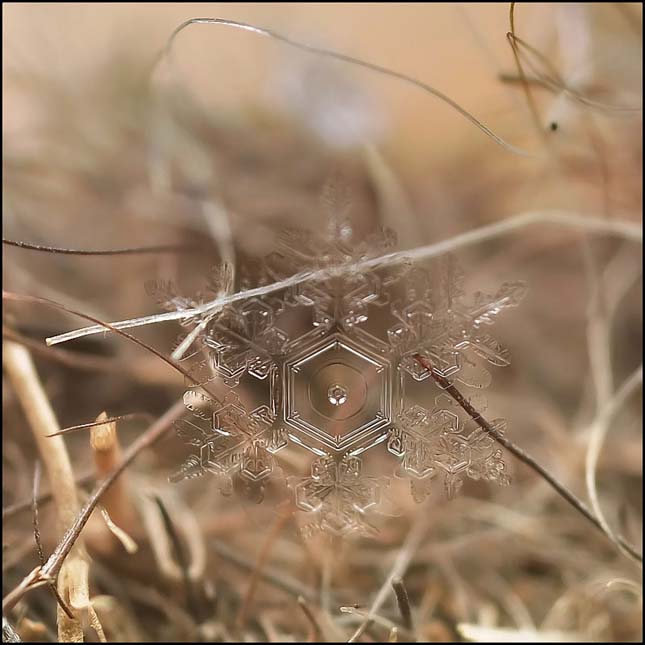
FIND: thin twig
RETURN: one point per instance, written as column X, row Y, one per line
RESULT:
column 556, row 83
column 122, row 417
column 564, row 492
column 137, row 250
column 39, row 544
column 72, row 359
column 597, row 433
column 20, row 297
column 617, row 226
column 525, row 86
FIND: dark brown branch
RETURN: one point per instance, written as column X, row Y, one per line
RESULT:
column 559, row 488
column 137, row 250
column 403, row 601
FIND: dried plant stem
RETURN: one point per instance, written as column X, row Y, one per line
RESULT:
column 139, row 250
column 599, row 225
column 564, row 492
column 72, row 359
column 554, row 81
column 24, row 378
column 40, row 575
column 104, row 420
column 107, row 454
column 600, row 362
column 597, row 433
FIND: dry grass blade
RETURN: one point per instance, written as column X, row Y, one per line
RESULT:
column 335, row 198
column 53, row 453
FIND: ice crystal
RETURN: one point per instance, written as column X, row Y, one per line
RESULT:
column 328, row 365
column 337, row 495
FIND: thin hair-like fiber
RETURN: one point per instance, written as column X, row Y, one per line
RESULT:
column 166, row 53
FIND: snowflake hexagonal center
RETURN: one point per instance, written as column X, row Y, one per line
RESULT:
column 337, row 396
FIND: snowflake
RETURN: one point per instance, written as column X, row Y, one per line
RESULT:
column 328, row 365
column 337, row 495
column 433, row 443
column 230, row 440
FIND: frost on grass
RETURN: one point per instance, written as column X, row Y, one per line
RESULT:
column 328, row 365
